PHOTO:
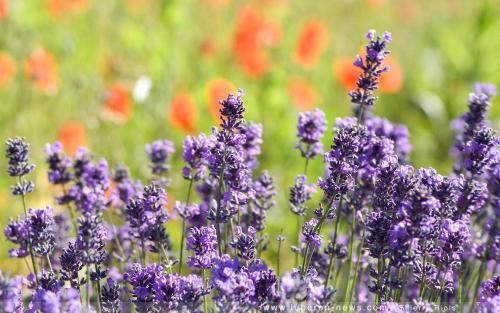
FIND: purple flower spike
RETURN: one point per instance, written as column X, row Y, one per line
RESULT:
column 203, row 242
column 310, row 129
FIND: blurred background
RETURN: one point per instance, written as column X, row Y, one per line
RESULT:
column 114, row 75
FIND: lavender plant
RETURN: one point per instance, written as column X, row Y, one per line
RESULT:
column 383, row 233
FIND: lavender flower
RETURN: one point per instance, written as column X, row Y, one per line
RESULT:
column 300, row 193
column 253, row 140
column 11, row 294
column 263, row 201
column 193, row 153
column 342, row 159
column 481, row 152
column 453, row 238
column 203, row 242
column 59, row 164
column 36, row 230
column 45, row 301
column 310, row 233
column 191, row 292
column 142, row 281
column 159, row 153
column 245, row 243
column 110, row 296
column 71, row 264
column 17, row 152
column 372, row 69
column 167, row 290
column 310, row 129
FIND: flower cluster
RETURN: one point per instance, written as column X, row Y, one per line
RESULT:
column 382, row 232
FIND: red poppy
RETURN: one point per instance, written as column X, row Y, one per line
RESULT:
column 41, row 69
column 58, row 8
column 304, row 96
column 253, row 33
column 375, row 3
column 312, row 41
column 118, row 103
column 7, row 69
column 4, row 8
column 73, row 136
column 182, row 112
column 347, row 74
column 216, row 90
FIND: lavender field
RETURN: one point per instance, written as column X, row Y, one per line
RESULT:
column 210, row 156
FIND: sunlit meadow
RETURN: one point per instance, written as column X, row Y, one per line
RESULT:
column 352, row 168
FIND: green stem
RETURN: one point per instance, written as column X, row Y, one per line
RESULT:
column 482, row 269
column 184, row 227
column 459, row 292
column 143, row 250
column 30, row 246
column 48, row 262
column 87, row 295
column 99, row 297
column 349, row 262
column 205, row 304
column 356, row 268
column 334, row 241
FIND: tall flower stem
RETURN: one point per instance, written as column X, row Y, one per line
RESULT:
column 305, row 264
column 99, row 297
column 482, row 270
column 459, row 292
column 47, row 258
column 334, row 240
column 205, row 304
column 183, row 230
column 218, row 201
column 356, row 268
column 33, row 263
column 349, row 262
column 70, row 209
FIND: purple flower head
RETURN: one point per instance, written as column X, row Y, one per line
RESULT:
column 90, row 238
column 310, row 233
column 342, row 159
column 142, row 280
column 253, row 141
column 397, row 133
column 71, row 263
column 310, row 129
column 453, row 239
column 191, row 292
column 489, row 289
column 203, row 242
column 125, row 188
column 166, row 291
column 371, row 66
column 59, row 164
column 232, row 106
column 45, row 301
column 159, row 153
column 488, row 89
column 187, row 211
column 245, row 243
column 42, row 225
column 263, row 201
column 17, row 232
column 300, row 193
column 193, row 153
column 481, row 152
column 17, row 151
column 11, row 294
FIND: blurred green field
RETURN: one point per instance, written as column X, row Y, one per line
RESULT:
column 440, row 48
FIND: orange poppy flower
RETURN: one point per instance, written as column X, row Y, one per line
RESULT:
column 216, row 90
column 118, row 103
column 7, row 69
column 73, row 136
column 312, row 41
column 375, row 3
column 347, row 74
column 41, row 69
column 182, row 113
column 58, row 8
column 253, row 33
column 302, row 93
column 4, row 8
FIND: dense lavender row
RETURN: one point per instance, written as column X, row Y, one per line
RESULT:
column 383, row 233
